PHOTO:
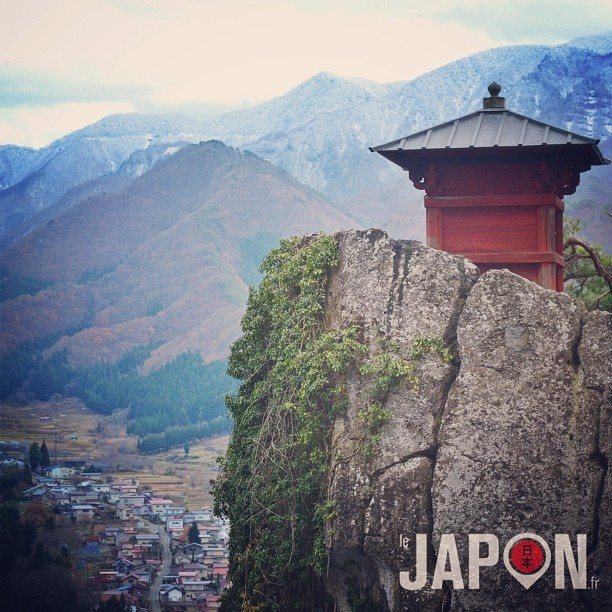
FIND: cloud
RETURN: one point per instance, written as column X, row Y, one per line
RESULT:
column 506, row 21
column 32, row 89
column 527, row 21
column 163, row 55
column 221, row 51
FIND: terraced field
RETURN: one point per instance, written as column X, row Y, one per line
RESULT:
column 73, row 432
column 183, row 478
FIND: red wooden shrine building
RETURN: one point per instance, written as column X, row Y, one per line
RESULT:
column 494, row 184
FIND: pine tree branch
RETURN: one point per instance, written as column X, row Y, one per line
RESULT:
column 572, row 241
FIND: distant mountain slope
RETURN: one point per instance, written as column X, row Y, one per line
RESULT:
column 32, row 180
column 18, row 162
column 167, row 259
column 568, row 85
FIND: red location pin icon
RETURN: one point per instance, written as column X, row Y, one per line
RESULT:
column 527, row 557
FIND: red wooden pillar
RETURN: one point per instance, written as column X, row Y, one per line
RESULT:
column 494, row 182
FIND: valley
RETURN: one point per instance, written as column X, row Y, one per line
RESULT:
column 74, row 433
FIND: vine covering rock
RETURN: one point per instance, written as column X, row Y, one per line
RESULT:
column 272, row 483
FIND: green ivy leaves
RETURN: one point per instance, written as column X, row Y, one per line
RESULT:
column 389, row 369
column 272, row 485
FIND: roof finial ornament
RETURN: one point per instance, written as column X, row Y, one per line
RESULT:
column 494, row 88
column 494, row 100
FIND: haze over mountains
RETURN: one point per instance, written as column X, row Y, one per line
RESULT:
column 139, row 234
column 168, row 258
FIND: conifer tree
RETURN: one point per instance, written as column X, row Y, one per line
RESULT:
column 194, row 534
column 35, row 456
column 45, row 460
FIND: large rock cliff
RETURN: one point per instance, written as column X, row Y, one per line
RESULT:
column 511, row 437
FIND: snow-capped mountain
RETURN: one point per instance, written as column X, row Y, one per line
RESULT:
column 31, row 180
column 320, row 131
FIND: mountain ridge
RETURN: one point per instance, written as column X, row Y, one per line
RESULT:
column 320, row 130
column 166, row 259
column 99, row 149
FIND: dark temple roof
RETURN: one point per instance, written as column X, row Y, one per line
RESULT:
column 493, row 127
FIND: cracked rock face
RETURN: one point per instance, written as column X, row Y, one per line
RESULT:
column 513, row 437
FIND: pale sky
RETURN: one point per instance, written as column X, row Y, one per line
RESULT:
column 67, row 63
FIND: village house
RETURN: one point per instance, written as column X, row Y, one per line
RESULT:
column 174, row 511
column 123, row 566
column 139, row 592
column 141, row 510
column 159, row 505
column 180, row 558
column 215, row 550
column 195, row 571
column 35, row 492
column 92, row 498
column 119, row 490
column 10, row 462
column 115, row 494
column 172, row 577
column 101, row 487
column 57, row 471
column 107, row 581
column 149, row 543
column 125, row 512
column 153, row 564
column 172, row 593
column 204, row 515
column 143, row 575
column 109, row 536
column 43, row 480
column 133, row 499
column 82, row 511
column 59, row 500
column 76, row 496
column 208, row 603
column 95, row 476
column 220, row 573
column 174, row 526
column 130, row 579
column 194, row 550
column 194, row 588
column 185, row 576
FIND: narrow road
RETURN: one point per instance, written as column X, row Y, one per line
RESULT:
column 164, row 539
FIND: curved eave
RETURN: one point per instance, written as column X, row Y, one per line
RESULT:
column 489, row 131
column 586, row 155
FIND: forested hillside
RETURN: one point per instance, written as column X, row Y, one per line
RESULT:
column 130, row 299
column 168, row 260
